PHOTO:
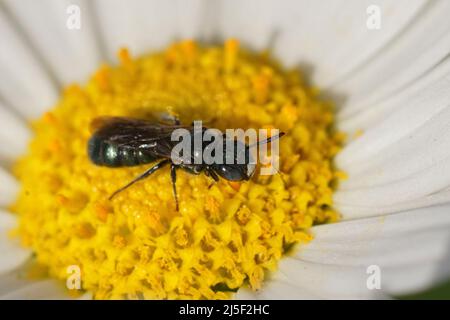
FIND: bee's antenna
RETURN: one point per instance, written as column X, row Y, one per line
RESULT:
column 268, row 140
column 173, row 175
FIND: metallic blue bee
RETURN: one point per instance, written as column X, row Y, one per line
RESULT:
column 125, row 142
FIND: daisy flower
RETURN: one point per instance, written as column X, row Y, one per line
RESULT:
column 377, row 71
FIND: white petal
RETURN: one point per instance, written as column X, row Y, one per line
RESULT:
column 401, row 159
column 410, row 188
column 411, row 113
column 8, row 188
column 412, row 249
column 86, row 296
column 403, row 62
column 15, row 286
column 245, row 294
column 14, row 135
column 355, row 211
column 147, row 25
column 71, row 54
column 404, row 157
column 12, row 254
column 275, row 289
column 24, row 83
column 375, row 112
column 329, row 37
column 326, row 281
column 298, row 279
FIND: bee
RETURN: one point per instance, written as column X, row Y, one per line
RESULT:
column 126, row 142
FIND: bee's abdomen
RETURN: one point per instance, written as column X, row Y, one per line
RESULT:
column 106, row 154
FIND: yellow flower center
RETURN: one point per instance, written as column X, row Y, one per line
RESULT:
column 226, row 235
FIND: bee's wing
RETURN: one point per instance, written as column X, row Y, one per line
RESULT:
column 135, row 133
column 101, row 122
column 123, row 122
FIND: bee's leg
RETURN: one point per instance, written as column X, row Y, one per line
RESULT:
column 210, row 173
column 157, row 166
column 173, row 175
column 213, row 175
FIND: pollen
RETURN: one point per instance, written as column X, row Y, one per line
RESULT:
column 225, row 235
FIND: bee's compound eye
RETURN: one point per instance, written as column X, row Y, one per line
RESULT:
column 231, row 172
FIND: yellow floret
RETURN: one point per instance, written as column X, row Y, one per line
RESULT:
column 226, row 235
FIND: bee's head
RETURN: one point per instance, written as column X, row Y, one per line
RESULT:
column 234, row 172
column 237, row 164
